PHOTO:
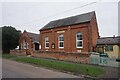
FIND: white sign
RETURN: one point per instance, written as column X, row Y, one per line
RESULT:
column 60, row 31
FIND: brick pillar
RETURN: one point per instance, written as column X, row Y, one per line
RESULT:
column 69, row 39
column 53, row 40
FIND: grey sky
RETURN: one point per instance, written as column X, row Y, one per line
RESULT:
column 32, row 16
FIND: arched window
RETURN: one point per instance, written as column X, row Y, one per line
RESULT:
column 61, row 41
column 24, row 44
column 79, row 40
column 46, row 42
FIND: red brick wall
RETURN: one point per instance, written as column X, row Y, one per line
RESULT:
column 69, row 38
column 18, row 52
column 72, row 57
column 28, row 40
column 95, row 31
column 84, row 30
column 89, row 31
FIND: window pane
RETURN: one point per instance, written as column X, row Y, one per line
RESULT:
column 61, row 44
column 61, row 38
column 79, row 43
column 79, row 36
column 47, row 44
column 46, row 39
column 79, row 40
column 109, row 48
column 79, row 33
column 61, row 35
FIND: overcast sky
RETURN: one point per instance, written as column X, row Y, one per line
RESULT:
column 32, row 16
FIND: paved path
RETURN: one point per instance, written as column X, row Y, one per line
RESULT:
column 13, row 69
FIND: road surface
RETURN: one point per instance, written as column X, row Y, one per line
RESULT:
column 13, row 69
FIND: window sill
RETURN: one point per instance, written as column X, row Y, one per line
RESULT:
column 61, row 47
column 79, row 47
column 46, row 47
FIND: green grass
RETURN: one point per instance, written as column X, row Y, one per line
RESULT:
column 8, row 56
column 93, row 71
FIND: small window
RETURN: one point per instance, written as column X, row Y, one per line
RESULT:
column 61, row 41
column 109, row 48
column 25, row 45
column 79, row 40
column 46, row 42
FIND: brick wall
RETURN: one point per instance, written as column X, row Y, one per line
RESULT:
column 95, row 31
column 18, row 52
column 88, row 29
column 69, row 38
column 72, row 57
column 28, row 40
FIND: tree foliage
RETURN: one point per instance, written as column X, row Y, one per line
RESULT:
column 10, row 38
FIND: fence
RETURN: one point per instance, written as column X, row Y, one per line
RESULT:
column 103, row 60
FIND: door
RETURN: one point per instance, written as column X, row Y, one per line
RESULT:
column 36, row 46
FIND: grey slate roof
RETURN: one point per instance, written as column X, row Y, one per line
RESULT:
column 109, row 40
column 35, row 37
column 69, row 21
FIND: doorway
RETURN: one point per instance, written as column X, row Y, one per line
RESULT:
column 36, row 46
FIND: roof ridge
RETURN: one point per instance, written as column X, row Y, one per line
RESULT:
column 77, row 19
column 32, row 33
column 108, row 37
column 73, row 16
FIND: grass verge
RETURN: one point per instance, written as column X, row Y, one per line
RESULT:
column 93, row 71
column 8, row 56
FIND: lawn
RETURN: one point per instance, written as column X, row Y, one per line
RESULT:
column 8, row 56
column 93, row 71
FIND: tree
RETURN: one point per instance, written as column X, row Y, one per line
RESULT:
column 10, row 38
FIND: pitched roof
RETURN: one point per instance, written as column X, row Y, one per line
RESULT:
column 70, row 21
column 109, row 40
column 35, row 37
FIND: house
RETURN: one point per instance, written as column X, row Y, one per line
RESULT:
column 73, row 34
column 29, row 42
column 109, row 45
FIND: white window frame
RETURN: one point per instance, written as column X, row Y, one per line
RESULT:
column 24, row 45
column 46, row 41
column 60, row 41
column 79, row 40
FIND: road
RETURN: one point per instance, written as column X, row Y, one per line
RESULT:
column 13, row 69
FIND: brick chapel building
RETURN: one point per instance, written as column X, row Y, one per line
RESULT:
column 29, row 42
column 73, row 34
